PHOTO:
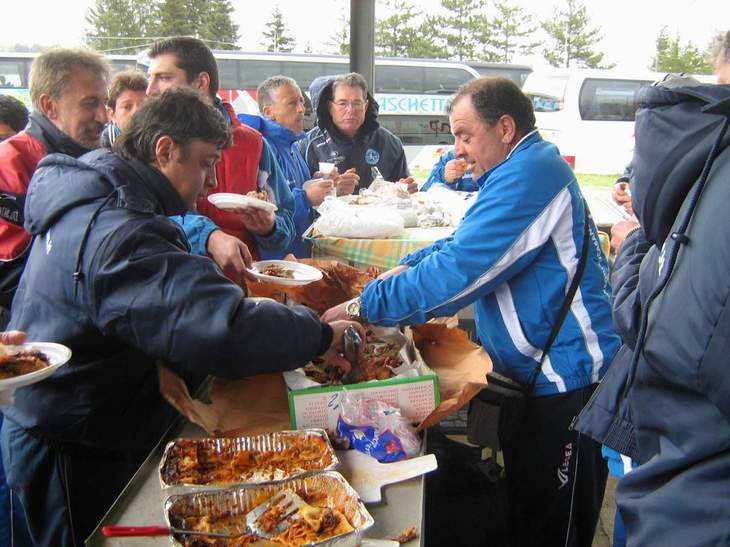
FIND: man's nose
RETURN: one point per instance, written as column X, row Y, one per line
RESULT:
column 101, row 116
column 212, row 181
column 458, row 148
column 152, row 88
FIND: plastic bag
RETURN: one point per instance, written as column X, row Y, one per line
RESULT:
column 376, row 428
column 358, row 222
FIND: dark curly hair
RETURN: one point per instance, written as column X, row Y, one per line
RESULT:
column 192, row 55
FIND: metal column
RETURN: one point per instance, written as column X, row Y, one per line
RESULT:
column 362, row 39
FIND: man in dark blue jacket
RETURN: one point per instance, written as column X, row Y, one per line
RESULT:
column 671, row 309
column 348, row 134
column 110, row 276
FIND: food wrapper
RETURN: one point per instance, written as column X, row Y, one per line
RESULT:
column 329, row 486
column 461, row 365
column 227, row 448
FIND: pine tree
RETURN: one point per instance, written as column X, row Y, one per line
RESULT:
column 116, row 25
column 508, row 33
column 276, row 38
column 463, row 27
column 671, row 56
column 179, row 17
column 572, row 40
column 217, row 27
column 339, row 41
column 430, row 42
column 395, row 34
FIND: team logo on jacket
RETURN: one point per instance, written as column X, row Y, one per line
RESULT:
column 371, row 156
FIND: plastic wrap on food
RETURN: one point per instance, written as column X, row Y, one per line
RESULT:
column 433, row 215
column 246, row 460
column 225, row 510
column 360, row 222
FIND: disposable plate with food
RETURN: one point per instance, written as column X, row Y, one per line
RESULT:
column 57, row 354
column 284, row 272
column 228, row 201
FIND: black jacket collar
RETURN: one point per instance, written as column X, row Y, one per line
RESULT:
column 54, row 140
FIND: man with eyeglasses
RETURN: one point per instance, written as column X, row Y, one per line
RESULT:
column 348, row 134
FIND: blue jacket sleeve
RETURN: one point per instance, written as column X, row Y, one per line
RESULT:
column 415, row 257
column 276, row 243
column 462, row 269
column 437, row 173
column 197, row 228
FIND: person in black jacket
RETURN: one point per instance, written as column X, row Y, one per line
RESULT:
column 110, row 276
column 671, row 308
column 348, row 134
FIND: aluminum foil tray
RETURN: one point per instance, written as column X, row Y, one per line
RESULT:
column 226, row 449
column 329, row 486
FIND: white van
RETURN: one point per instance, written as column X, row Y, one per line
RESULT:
column 588, row 114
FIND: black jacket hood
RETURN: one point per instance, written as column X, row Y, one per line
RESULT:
column 677, row 125
column 61, row 182
column 320, row 91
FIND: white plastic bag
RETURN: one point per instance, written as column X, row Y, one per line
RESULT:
column 359, row 222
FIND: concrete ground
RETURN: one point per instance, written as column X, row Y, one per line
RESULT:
column 604, row 530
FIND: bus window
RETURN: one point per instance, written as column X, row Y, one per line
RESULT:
column 609, row 100
column 228, row 74
column 545, row 103
column 398, row 79
column 444, row 80
column 13, row 73
column 119, row 65
column 419, row 130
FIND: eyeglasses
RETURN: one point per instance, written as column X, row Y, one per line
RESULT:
column 355, row 105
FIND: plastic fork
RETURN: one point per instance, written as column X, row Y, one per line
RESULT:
column 134, row 531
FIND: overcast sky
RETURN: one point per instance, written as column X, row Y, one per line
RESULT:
column 629, row 27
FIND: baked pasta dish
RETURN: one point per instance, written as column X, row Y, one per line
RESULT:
column 275, row 270
column 14, row 364
column 226, row 461
column 311, row 523
column 263, row 196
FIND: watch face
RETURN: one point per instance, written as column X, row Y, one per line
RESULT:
column 353, row 308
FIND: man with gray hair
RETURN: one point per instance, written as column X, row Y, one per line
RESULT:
column 281, row 122
column 722, row 59
column 68, row 88
column 348, row 134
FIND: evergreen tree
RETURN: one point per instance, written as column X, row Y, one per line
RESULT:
column 508, row 34
column 117, row 25
column 572, row 39
column 339, row 41
column 218, row 28
column 395, row 34
column 430, row 42
column 463, row 28
column 179, row 17
column 672, row 56
column 276, row 38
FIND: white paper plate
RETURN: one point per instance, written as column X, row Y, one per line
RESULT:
column 227, row 201
column 303, row 274
column 58, row 355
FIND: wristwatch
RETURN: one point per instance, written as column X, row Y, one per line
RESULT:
column 353, row 310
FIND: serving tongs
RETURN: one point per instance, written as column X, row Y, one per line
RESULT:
column 352, row 341
column 265, row 521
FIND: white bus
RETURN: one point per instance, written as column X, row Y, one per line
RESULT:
column 412, row 93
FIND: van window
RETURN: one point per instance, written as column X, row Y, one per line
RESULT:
column 545, row 103
column 609, row 100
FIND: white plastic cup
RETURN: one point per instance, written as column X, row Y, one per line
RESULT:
column 326, row 168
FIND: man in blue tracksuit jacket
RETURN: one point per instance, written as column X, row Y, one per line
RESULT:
column 282, row 124
column 514, row 256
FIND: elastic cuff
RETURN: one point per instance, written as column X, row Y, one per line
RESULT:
column 326, row 341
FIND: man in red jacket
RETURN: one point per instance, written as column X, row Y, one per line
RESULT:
column 247, row 165
column 68, row 89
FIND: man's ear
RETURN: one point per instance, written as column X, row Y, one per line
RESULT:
column 266, row 111
column 110, row 114
column 202, row 83
column 508, row 128
column 49, row 107
column 163, row 151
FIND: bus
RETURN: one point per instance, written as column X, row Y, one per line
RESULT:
column 517, row 73
column 15, row 72
column 412, row 93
